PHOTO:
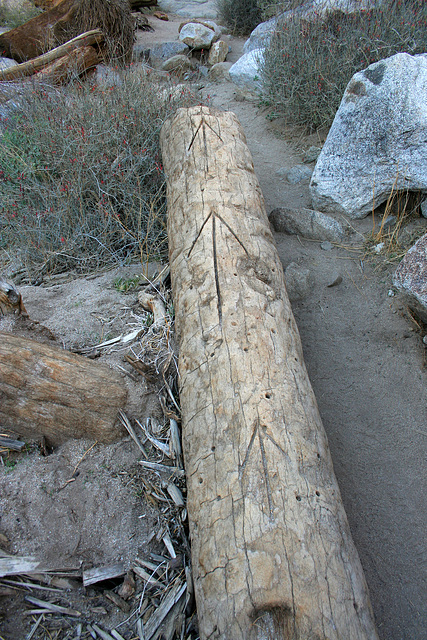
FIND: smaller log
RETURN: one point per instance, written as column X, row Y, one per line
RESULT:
column 70, row 66
column 32, row 66
column 10, row 300
column 48, row 392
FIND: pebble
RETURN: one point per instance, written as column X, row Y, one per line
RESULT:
column 326, row 246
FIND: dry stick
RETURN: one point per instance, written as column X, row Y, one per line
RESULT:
column 32, row 66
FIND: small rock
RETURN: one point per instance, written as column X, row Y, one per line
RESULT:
column 335, row 281
column 161, row 15
column 220, row 71
column 210, row 24
column 410, row 277
column 423, row 208
column 179, row 64
column 197, row 36
column 299, row 281
column 326, row 246
column 7, row 63
column 157, row 54
column 299, row 174
column 312, row 154
column 391, row 293
column 307, row 223
column 218, row 52
column 379, row 247
column 389, row 222
column 425, row 339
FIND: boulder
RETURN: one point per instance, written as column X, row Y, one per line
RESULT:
column 220, row 71
column 218, row 52
column 190, row 8
column 179, row 64
column 246, row 72
column 197, row 36
column 7, row 63
column 157, row 54
column 210, row 24
column 410, row 278
column 260, row 36
column 309, row 224
column 377, row 140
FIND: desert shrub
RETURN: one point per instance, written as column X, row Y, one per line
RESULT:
column 81, row 178
column 12, row 15
column 310, row 61
column 242, row 16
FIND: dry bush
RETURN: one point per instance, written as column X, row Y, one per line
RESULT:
column 81, row 179
column 242, row 16
column 311, row 60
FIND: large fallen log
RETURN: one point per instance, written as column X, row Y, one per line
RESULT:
column 46, row 391
column 273, row 556
column 66, row 20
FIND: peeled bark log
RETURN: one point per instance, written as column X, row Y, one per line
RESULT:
column 76, row 51
column 69, row 67
column 273, row 556
column 46, row 391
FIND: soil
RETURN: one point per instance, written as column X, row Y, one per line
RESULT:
column 367, row 364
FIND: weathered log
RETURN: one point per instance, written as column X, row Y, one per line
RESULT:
column 273, row 556
column 69, row 67
column 10, row 300
column 46, row 391
column 80, row 45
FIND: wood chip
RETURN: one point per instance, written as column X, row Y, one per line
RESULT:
column 147, row 577
column 102, row 634
column 156, row 466
column 175, row 442
column 127, row 589
column 54, row 608
column 175, row 494
column 164, row 448
column 127, row 425
column 168, row 601
column 10, row 443
column 14, row 565
column 117, row 600
column 98, row 574
column 168, row 544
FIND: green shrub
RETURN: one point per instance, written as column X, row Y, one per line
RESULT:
column 310, row 61
column 242, row 16
column 81, row 179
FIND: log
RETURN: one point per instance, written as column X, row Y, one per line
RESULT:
column 79, row 45
column 69, row 67
column 272, row 552
column 47, row 391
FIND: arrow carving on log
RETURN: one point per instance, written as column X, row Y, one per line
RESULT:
column 214, row 215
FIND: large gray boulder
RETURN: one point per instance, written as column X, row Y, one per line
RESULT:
column 377, row 141
column 260, row 36
column 246, row 72
column 190, row 8
column 410, row 277
column 308, row 224
column 197, row 36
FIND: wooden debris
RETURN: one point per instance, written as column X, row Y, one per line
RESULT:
column 69, row 67
column 161, row 446
column 272, row 551
column 53, row 608
column 152, row 303
column 14, row 565
column 126, row 423
column 47, row 391
column 149, row 579
column 10, row 298
column 166, row 604
column 10, row 443
column 156, row 466
column 30, row 67
column 161, row 15
column 118, row 601
column 127, row 589
column 98, row 574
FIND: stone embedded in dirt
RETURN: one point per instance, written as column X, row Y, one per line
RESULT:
column 376, row 144
column 7, row 63
column 157, row 54
column 220, row 71
column 197, row 36
column 298, row 174
column 423, row 208
column 218, row 52
column 179, row 64
column 299, row 281
column 410, row 277
column 312, row 154
column 326, row 246
column 307, row 223
column 210, row 24
column 246, row 71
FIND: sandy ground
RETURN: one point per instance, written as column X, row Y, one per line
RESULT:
column 366, row 362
